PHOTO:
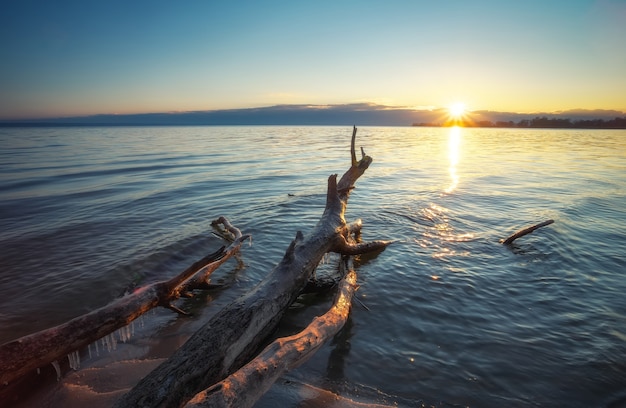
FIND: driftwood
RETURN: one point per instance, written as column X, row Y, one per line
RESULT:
column 244, row 387
column 28, row 353
column 525, row 231
column 232, row 337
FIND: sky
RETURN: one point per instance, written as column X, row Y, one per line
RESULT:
column 69, row 58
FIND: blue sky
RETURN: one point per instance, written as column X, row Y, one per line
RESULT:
column 63, row 58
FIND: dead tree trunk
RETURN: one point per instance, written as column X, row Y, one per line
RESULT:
column 232, row 336
column 20, row 356
column 244, row 387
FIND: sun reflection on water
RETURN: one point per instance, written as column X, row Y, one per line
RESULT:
column 454, row 145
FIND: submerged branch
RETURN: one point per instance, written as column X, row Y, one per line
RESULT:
column 525, row 231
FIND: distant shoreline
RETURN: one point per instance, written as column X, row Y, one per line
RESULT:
column 436, row 125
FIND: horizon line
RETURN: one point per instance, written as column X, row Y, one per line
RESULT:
column 366, row 113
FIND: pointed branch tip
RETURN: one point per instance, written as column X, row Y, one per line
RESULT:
column 352, row 148
column 177, row 310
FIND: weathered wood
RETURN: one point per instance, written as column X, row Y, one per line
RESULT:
column 244, row 387
column 232, row 337
column 27, row 353
column 525, row 231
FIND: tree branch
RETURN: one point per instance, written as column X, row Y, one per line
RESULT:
column 356, row 170
column 199, row 280
column 27, row 353
column 344, row 247
column 525, row 231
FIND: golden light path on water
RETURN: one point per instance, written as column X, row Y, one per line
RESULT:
column 442, row 236
column 454, row 146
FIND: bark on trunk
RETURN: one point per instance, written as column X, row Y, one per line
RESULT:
column 234, row 335
column 27, row 353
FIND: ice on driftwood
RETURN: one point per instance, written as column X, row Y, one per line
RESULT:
column 74, row 359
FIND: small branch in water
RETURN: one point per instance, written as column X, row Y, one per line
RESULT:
column 525, row 231
column 177, row 309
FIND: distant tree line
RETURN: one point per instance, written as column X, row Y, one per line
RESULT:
column 539, row 122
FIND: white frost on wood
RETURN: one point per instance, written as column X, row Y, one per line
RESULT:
column 57, row 368
column 109, row 342
column 74, row 360
column 124, row 333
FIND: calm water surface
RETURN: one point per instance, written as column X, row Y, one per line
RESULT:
column 446, row 315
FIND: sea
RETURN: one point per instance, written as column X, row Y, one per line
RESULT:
column 446, row 316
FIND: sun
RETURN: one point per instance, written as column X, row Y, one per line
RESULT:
column 456, row 110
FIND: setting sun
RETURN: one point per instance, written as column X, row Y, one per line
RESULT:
column 456, row 110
